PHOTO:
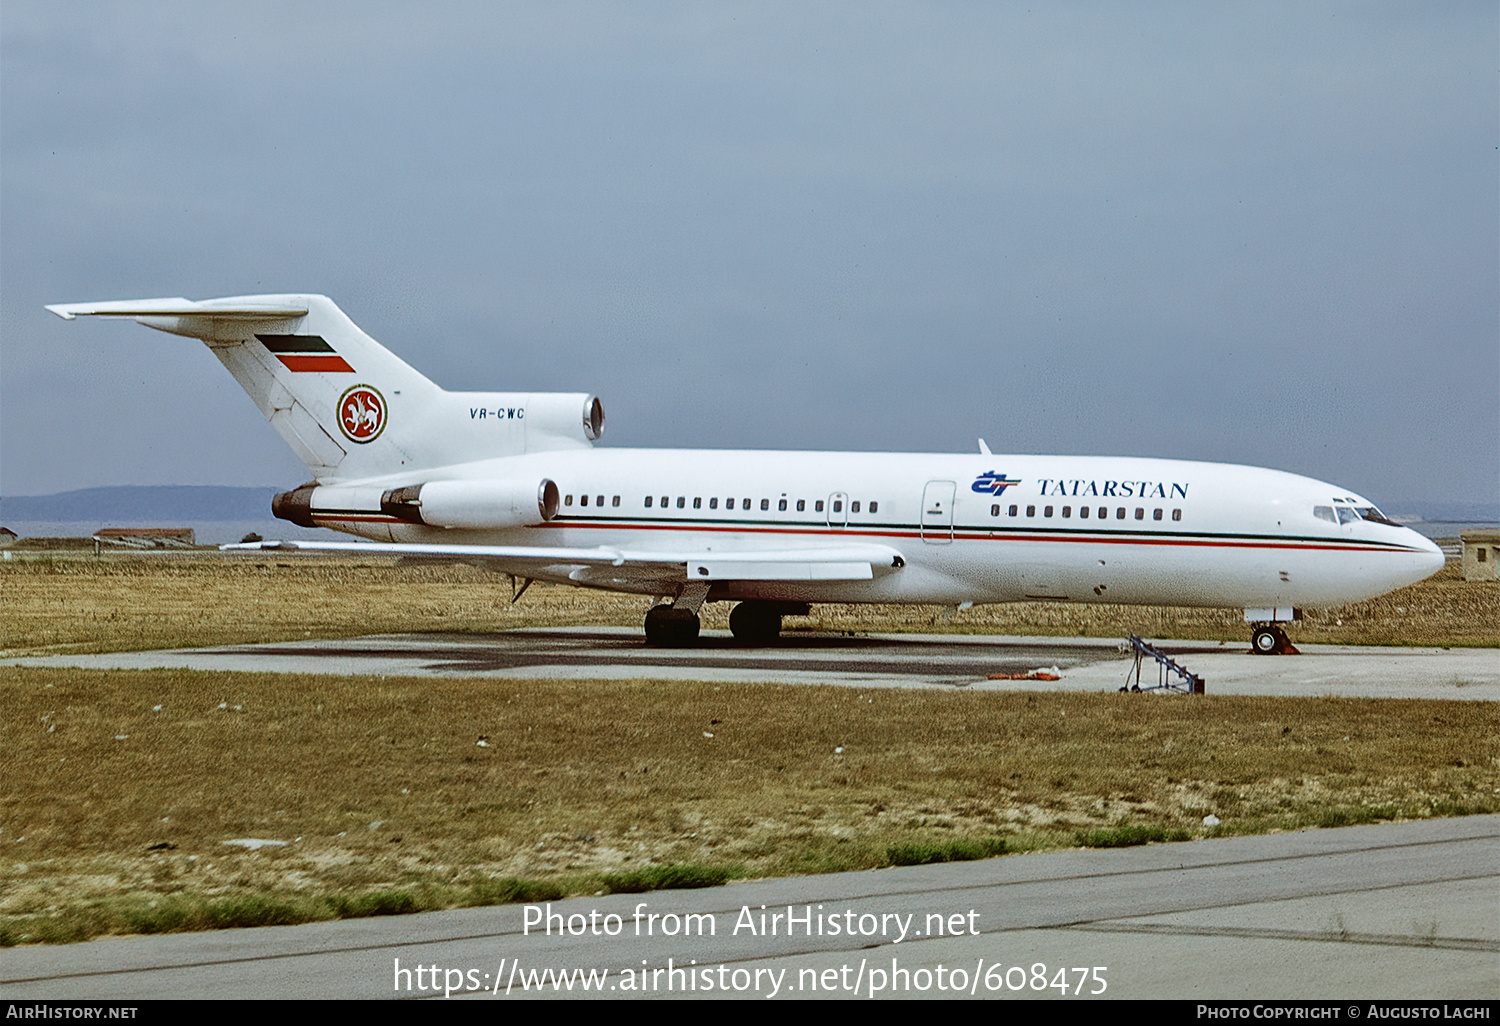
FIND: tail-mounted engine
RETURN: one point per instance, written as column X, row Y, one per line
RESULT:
column 478, row 505
column 473, row 504
column 511, row 423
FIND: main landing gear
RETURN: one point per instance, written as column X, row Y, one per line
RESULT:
column 676, row 626
column 671, row 627
column 754, row 623
column 751, row 622
column 1270, row 639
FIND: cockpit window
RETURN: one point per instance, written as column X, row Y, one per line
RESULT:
column 1349, row 513
column 1325, row 513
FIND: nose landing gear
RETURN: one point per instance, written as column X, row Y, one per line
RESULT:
column 1270, row 639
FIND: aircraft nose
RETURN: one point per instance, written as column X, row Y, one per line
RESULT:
column 1428, row 558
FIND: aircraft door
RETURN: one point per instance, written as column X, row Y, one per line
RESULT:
column 838, row 510
column 937, row 512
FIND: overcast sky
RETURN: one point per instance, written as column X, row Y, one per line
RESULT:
column 1254, row 233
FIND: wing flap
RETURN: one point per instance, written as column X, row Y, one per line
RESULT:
column 518, row 554
column 815, row 569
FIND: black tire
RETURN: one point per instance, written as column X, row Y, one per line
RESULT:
column 755, row 623
column 1266, row 641
column 670, row 627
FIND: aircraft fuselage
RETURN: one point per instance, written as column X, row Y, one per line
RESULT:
column 980, row 528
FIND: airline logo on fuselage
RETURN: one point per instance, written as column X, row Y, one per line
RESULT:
column 991, row 483
column 1111, row 489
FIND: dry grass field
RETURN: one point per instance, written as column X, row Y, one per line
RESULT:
column 74, row 602
column 120, row 789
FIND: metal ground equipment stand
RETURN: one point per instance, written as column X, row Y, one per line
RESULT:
column 1170, row 676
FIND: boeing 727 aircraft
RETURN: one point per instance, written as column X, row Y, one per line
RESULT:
column 513, row 479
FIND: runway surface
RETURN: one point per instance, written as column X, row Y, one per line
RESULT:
column 1400, row 911
column 872, row 660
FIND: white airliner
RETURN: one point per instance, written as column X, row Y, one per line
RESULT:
column 513, row 479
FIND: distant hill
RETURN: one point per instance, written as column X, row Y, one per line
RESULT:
column 141, row 503
column 1447, row 512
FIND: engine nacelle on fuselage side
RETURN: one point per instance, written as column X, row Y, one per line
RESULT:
column 491, row 505
column 474, row 504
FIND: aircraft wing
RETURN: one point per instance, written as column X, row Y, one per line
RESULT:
column 603, row 566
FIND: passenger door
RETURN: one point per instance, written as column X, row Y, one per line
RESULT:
column 937, row 512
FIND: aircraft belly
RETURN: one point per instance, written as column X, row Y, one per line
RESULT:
column 1188, row 575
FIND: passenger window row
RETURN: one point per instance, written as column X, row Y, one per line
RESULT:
column 665, row 502
column 782, row 505
column 1084, row 512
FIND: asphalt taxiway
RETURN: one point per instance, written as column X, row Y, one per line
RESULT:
column 1398, row 912
column 863, row 660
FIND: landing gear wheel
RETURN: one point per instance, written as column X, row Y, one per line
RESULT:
column 755, row 623
column 1263, row 641
column 670, row 627
column 1270, row 641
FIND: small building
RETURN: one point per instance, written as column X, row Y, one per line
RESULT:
column 1481, row 554
column 146, row 537
column 7, row 537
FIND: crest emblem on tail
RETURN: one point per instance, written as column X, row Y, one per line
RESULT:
column 361, row 414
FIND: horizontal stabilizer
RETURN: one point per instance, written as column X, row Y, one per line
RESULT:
column 227, row 309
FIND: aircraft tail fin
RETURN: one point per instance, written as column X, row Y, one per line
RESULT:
column 349, row 407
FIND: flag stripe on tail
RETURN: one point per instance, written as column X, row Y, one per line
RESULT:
column 295, row 343
column 305, row 353
column 299, row 363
